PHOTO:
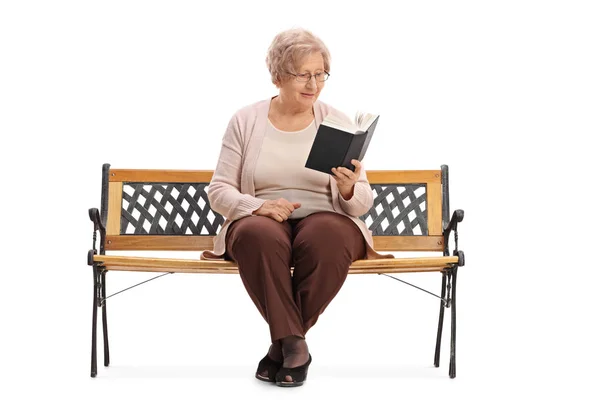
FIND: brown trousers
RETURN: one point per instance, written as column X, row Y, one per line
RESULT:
column 320, row 247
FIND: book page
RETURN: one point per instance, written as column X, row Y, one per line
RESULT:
column 340, row 124
column 362, row 121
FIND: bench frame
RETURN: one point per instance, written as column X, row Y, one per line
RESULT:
column 101, row 263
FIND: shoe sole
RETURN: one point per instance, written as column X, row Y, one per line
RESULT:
column 289, row 384
column 262, row 378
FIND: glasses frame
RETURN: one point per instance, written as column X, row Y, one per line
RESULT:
column 327, row 75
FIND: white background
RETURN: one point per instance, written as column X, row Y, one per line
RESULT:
column 506, row 93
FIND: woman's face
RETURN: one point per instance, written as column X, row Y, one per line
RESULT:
column 302, row 95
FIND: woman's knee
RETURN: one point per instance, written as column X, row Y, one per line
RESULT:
column 328, row 227
column 331, row 236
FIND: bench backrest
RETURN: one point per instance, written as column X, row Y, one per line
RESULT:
column 169, row 210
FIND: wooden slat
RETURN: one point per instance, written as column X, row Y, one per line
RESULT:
column 115, row 198
column 174, row 175
column 434, row 208
column 426, row 176
column 408, row 243
column 157, row 175
column 133, row 261
column 408, row 261
column 177, row 270
column 159, row 242
column 200, row 243
column 394, row 270
column 235, row 271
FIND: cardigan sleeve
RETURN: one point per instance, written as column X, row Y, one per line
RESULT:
column 224, row 189
column 362, row 198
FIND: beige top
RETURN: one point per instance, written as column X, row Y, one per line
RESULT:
column 280, row 171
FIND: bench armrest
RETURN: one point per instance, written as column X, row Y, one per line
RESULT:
column 98, row 226
column 95, row 218
column 457, row 217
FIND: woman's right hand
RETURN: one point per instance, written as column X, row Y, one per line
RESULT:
column 279, row 209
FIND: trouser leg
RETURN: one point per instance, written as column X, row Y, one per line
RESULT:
column 262, row 249
column 324, row 245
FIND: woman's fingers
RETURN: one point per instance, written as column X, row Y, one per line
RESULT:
column 280, row 210
column 277, row 217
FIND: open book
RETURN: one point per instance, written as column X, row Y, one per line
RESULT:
column 338, row 142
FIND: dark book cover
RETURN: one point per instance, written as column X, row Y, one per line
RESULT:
column 334, row 148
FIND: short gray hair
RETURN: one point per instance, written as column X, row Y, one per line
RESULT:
column 289, row 48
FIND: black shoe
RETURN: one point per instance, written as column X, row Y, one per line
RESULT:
column 272, row 366
column 298, row 374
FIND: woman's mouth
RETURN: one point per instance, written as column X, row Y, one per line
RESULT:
column 308, row 95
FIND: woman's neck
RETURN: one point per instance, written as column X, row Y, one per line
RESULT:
column 286, row 111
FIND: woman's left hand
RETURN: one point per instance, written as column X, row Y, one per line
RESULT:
column 346, row 179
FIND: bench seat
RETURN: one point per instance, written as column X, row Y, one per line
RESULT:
column 149, row 264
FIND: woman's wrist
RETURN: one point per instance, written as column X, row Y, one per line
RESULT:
column 346, row 192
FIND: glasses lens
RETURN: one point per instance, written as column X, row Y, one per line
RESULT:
column 319, row 77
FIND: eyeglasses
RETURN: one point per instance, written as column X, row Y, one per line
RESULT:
column 319, row 77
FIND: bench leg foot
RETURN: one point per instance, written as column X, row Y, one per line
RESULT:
column 94, row 366
column 436, row 357
column 104, row 325
column 453, row 327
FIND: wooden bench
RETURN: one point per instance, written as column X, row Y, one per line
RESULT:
column 145, row 210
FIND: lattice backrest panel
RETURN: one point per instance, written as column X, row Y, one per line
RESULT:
column 398, row 210
column 168, row 209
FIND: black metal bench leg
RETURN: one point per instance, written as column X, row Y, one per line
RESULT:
column 453, row 327
column 94, row 366
column 436, row 358
column 104, row 326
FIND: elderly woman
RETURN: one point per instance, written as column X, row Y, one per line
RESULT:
column 280, row 214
